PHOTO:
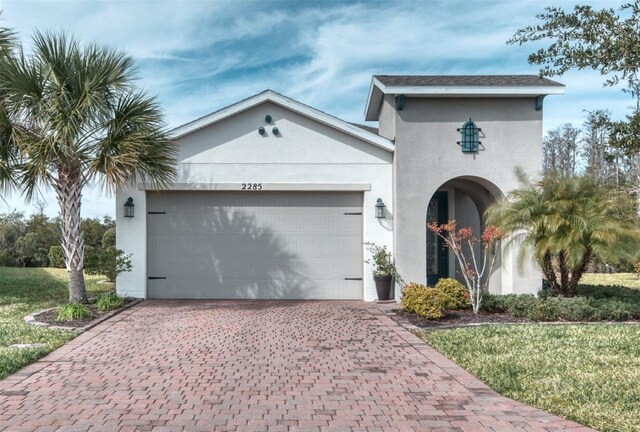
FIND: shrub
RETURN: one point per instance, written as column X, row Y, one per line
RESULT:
column 615, row 292
column 109, row 262
column 422, row 300
column 90, row 257
column 110, row 301
column 73, row 311
column 561, row 308
column 56, row 257
column 454, row 295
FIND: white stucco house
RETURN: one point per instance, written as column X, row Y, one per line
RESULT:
column 275, row 199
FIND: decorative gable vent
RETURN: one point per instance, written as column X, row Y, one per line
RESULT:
column 469, row 134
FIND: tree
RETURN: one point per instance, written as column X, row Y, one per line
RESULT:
column 70, row 117
column 475, row 267
column 601, row 40
column 12, row 227
column 40, row 233
column 560, row 151
column 603, row 162
column 565, row 222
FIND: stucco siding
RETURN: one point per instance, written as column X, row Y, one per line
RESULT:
column 304, row 151
column 427, row 156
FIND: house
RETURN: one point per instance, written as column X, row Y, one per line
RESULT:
column 275, row 199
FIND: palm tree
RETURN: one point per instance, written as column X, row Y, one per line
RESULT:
column 565, row 222
column 70, row 117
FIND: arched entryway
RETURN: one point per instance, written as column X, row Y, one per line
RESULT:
column 465, row 200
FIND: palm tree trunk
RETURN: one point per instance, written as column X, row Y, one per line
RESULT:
column 68, row 188
column 564, row 273
column 549, row 273
column 577, row 273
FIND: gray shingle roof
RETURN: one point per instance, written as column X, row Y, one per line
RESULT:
column 465, row 80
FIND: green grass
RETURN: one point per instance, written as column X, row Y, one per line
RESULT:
column 586, row 373
column 27, row 290
column 629, row 280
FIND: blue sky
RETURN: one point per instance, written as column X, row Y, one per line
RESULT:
column 198, row 56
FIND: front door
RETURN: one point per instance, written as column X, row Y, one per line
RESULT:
column 437, row 253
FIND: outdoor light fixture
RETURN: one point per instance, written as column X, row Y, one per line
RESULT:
column 128, row 207
column 381, row 209
column 275, row 131
column 261, row 130
column 268, row 119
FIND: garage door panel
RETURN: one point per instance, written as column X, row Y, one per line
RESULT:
column 255, row 245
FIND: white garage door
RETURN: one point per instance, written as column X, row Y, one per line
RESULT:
column 254, row 245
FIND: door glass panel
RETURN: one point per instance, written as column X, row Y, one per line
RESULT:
column 432, row 239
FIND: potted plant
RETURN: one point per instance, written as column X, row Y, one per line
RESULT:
column 384, row 270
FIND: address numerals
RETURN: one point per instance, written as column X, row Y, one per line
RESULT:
column 252, row 186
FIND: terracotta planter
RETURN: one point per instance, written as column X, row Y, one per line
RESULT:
column 383, row 286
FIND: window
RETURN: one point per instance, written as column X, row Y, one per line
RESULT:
column 469, row 134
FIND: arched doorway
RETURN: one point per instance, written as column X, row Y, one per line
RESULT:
column 465, row 200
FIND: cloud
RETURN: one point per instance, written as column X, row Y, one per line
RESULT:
column 199, row 56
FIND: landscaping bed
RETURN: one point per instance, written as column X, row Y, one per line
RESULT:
column 457, row 318
column 424, row 307
column 50, row 316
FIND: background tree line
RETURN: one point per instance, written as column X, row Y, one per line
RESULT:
column 34, row 241
column 590, row 150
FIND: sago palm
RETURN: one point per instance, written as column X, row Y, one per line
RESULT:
column 566, row 222
column 71, row 116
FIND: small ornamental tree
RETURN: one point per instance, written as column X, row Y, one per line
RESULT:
column 462, row 242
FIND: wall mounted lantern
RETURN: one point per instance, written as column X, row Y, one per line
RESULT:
column 381, row 209
column 128, row 208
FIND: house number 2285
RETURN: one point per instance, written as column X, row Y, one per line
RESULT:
column 252, row 186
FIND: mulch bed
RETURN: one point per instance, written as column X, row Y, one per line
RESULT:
column 457, row 318
column 49, row 317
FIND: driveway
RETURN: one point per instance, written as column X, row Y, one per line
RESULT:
column 255, row 366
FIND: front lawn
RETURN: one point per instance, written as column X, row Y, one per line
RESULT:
column 586, row 373
column 27, row 290
column 630, row 280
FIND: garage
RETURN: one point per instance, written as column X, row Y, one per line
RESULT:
column 254, row 245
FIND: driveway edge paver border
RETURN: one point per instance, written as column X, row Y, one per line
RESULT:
column 58, row 354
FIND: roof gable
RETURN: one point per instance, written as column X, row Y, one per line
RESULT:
column 289, row 104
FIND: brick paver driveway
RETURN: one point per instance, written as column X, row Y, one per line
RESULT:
column 255, row 366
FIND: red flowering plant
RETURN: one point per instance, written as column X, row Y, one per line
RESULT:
column 462, row 241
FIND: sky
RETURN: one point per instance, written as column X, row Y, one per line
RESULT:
column 200, row 56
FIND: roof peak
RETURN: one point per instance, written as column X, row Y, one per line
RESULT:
column 361, row 132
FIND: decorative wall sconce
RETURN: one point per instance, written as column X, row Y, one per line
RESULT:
column 269, row 121
column 128, row 208
column 381, row 209
column 469, row 137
